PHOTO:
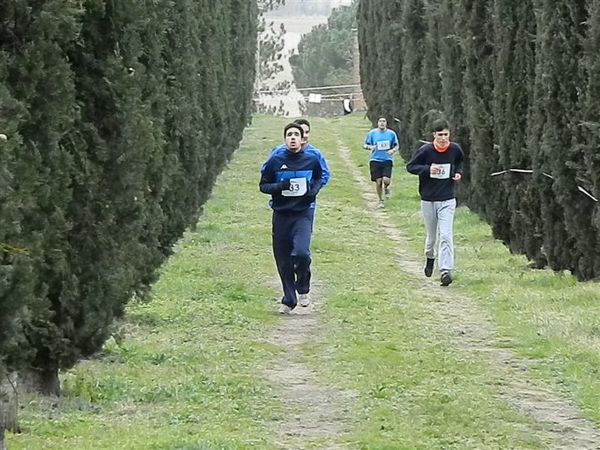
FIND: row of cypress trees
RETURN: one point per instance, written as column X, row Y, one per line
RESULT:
column 118, row 116
column 519, row 82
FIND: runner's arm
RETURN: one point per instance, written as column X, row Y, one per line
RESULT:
column 417, row 165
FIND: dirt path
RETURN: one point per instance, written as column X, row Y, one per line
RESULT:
column 474, row 332
column 314, row 412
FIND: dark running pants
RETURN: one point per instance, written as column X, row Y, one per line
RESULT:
column 291, row 248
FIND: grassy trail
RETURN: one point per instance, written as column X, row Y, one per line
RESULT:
column 506, row 357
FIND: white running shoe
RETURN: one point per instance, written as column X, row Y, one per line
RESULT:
column 380, row 205
column 304, row 299
column 285, row 309
column 387, row 192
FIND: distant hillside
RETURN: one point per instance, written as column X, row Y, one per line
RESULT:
column 309, row 7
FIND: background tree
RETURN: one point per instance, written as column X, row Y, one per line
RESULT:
column 415, row 29
column 474, row 30
column 324, row 56
column 16, row 277
column 381, row 62
column 514, row 24
column 589, row 134
column 271, row 44
column 559, row 79
column 451, row 74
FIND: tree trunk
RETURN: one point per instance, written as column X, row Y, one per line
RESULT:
column 8, row 406
column 41, row 381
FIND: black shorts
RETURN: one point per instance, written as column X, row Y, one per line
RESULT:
column 380, row 169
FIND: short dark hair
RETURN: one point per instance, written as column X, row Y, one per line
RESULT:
column 293, row 125
column 439, row 125
column 302, row 122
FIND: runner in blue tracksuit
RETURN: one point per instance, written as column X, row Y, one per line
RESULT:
column 293, row 179
column 307, row 148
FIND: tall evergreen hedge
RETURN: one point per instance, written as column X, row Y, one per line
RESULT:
column 518, row 81
column 119, row 117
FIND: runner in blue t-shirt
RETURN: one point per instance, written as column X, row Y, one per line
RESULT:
column 382, row 143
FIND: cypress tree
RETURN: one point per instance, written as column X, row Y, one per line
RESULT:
column 380, row 35
column 569, row 165
column 123, row 115
column 243, row 38
column 38, row 76
column 589, row 136
column 430, row 83
column 16, row 253
column 474, row 28
column 514, row 26
column 413, row 47
column 559, row 44
column 367, row 52
column 452, row 69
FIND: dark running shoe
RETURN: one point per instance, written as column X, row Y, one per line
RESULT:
column 428, row 269
column 446, row 278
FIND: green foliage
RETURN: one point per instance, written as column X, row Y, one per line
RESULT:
column 517, row 81
column 513, row 96
column 409, row 365
column 267, row 5
column 120, row 117
column 16, row 277
column 324, row 56
column 568, row 231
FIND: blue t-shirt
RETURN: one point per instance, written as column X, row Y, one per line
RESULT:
column 383, row 141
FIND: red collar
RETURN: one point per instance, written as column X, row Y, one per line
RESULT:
column 439, row 148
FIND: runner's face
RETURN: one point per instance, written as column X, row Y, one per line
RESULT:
column 382, row 123
column 306, row 133
column 293, row 139
column 441, row 137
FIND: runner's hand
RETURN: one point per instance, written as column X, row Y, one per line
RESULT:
column 285, row 184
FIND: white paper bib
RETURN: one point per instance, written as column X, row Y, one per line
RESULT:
column 383, row 145
column 444, row 172
column 297, row 188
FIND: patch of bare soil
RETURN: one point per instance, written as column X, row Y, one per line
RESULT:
column 474, row 332
column 312, row 411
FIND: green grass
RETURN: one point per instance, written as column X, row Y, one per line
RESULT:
column 547, row 317
column 186, row 370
